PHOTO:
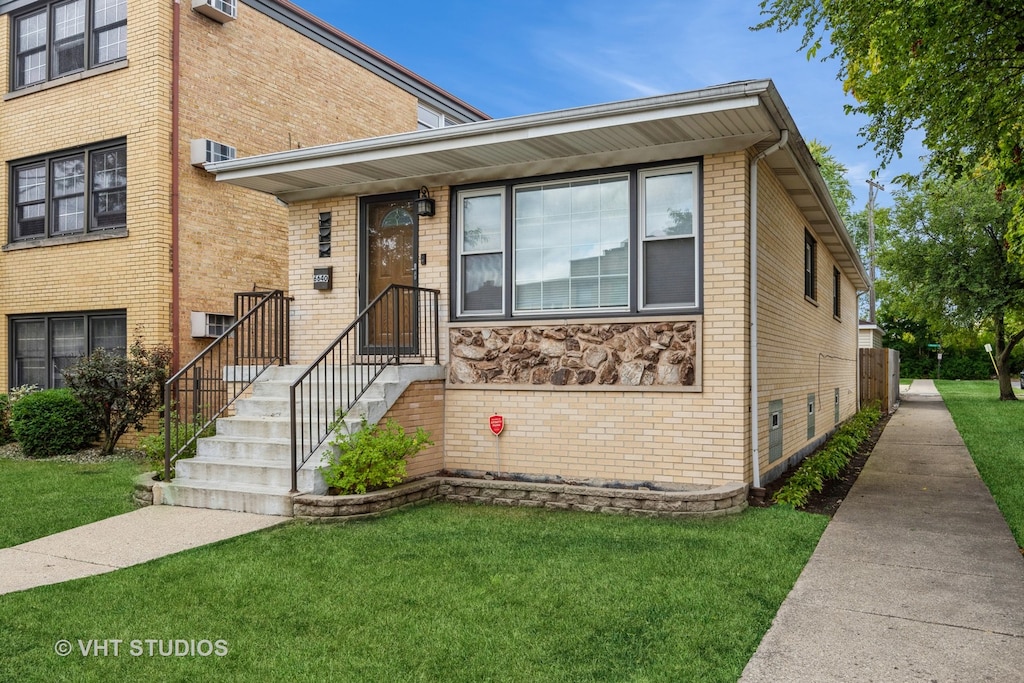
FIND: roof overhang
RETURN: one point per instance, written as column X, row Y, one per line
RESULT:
column 727, row 118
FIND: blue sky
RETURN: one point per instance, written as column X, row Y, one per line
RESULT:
column 510, row 57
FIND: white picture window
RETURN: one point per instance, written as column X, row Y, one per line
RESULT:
column 572, row 245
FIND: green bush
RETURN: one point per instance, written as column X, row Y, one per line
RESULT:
column 181, row 433
column 6, row 435
column 120, row 389
column 52, row 422
column 829, row 462
column 371, row 458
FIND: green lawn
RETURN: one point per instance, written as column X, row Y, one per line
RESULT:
column 39, row 497
column 992, row 431
column 436, row 593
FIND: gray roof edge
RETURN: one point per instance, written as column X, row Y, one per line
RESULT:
column 801, row 153
column 723, row 93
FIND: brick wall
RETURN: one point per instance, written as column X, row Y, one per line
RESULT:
column 803, row 348
column 261, row 87
column 422, row 405
column 254, row 84
column 132, row 272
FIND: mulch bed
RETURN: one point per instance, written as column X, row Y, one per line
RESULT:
column 828, row 500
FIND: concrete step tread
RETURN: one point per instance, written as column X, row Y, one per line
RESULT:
column 232, row 487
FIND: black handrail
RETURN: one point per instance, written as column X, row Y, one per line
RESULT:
column 400, row 324
column 199, row 393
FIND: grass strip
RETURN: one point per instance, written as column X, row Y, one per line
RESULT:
column 39, row 498
column 991, row 430
column 442, row 592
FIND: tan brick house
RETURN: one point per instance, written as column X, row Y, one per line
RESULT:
column 111, row 109
column 615, row 281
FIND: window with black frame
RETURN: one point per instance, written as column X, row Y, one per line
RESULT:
column 62, row 38
column 70, row 193
column 42, row 346
column 619, row 242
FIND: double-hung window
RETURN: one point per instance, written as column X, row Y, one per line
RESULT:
column 837, row 287
column 810, row 267
column 70, row 193
column 42, row 346
column 612, row 243
column 62, row 38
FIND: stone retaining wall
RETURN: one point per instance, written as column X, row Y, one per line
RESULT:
column 142, row 492
column 714, row 502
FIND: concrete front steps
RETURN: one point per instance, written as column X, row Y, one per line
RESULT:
column 247, row 465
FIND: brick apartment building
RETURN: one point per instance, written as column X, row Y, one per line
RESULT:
column 113, row 228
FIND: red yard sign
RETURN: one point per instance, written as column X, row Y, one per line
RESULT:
column 497, row 423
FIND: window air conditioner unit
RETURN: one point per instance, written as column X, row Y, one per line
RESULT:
column 221, row 11
column 205, row 151
column 205, row 325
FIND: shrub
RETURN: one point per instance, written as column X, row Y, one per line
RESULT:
column 6, row 435
column 829, row 462
column 120, row 391
column 181, row 433
column 371, row 458
column 52, row 422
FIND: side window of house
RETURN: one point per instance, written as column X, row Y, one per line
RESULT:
column 837, row 286
column 69, row 193
column 609, row 244
column 810, row 267
column 62, row 38
column 43, row 345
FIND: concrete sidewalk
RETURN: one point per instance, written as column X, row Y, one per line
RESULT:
column 917, row 577
column 117, row 542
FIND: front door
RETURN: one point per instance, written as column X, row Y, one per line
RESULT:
column 390, row 257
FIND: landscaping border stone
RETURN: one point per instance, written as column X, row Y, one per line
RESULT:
column 142, row 492
column 699, row 503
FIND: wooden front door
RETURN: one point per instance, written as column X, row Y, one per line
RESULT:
column 390, row 257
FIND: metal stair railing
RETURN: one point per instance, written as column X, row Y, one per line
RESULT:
column 201, row 391
column 401, row 323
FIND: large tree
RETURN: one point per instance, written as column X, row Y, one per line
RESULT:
column 953, row 68
column 946, row 261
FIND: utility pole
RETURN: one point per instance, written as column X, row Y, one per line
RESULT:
column 873, row 189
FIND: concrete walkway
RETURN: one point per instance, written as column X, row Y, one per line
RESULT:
column 917, row 577
column 118, row 542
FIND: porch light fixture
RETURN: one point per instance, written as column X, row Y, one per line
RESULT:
column 424, row 204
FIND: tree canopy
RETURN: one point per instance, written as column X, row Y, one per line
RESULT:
column 952, row 68
column 946, row 262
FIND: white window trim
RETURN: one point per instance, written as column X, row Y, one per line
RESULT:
column 642, row 238
column 460, row 275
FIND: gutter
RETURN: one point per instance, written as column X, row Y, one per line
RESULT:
column 175, row 184
column 754, row 417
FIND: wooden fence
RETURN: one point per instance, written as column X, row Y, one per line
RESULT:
column 880, row 377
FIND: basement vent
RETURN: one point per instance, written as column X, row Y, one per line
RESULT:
column 206, row 151
column 210, row 324
column 221, row 11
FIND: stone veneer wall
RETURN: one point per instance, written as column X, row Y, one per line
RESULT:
column 609, row 354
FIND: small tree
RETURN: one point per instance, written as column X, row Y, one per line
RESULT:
column 120, row 391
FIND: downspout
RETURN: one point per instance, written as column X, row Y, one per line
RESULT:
column 175, row 185
column 754, row 418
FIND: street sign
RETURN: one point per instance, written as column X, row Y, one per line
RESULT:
column 935, row 346
column 496, row 423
